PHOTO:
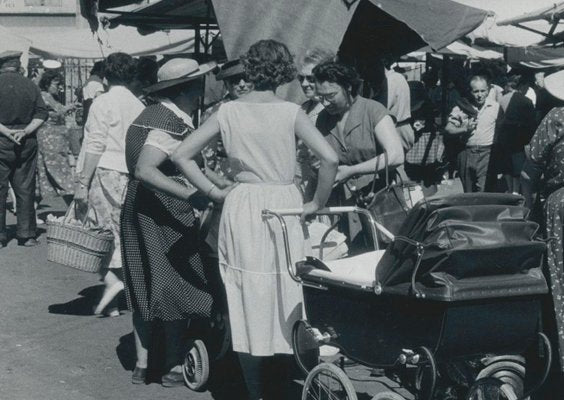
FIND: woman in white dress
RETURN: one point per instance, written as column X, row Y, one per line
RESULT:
column 259, row 134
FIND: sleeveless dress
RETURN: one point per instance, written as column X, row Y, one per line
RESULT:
column 164, row 274
column 263, row 301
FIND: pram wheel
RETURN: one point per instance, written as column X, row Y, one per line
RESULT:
column 327, row 381
column 196, row 368
column 508, row 369
column 388, row 396
column 306, row 348
column 491, row 389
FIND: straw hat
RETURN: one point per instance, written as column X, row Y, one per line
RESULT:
column 177, row 71
column 51, row 64
column 230, row 68
column 554, row 84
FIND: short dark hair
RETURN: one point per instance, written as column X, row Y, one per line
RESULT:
column 48, row 77
column 146, row 70
column 341, row 74
column 119, row 69
column 98, row 69
column 269, row 64
column 11, row 63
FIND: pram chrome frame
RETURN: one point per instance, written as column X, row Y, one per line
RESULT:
column 281, row 213
column 417, row 356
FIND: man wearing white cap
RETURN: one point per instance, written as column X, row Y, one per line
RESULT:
column 22, row 111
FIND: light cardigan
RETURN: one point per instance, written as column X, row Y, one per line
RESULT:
column 108, row 121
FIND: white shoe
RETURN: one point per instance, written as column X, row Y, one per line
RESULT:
column 328, row 351
column 108, row 296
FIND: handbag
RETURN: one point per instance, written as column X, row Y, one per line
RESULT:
column 389, row 205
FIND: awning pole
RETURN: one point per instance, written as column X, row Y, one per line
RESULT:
column 444, row 84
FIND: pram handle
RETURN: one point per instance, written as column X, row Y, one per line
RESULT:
column 338, row 210
column 280, row 213
column 323, row 211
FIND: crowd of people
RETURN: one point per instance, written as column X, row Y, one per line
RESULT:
column 184, row 202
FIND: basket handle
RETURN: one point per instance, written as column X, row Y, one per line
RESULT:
column 72, row 207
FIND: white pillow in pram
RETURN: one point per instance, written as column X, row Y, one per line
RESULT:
column 335, row 245
column 359, row 270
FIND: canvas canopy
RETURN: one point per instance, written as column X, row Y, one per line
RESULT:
column 82, row 43
column 399, row 25
column 536, row 57
column 459, row 49
column 497, row 28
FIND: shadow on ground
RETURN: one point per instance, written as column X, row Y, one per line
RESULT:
column 225, row 380
column 84, row 305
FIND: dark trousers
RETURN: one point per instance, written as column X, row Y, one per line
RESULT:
column 18, row 164
column 475, row 168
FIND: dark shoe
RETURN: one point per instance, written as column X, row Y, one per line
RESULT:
column 31, row 242
column 172, row 379
column 138, row 376
column 3, row 244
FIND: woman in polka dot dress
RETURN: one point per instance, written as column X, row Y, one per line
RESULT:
column 546, row 159
column 164, row 274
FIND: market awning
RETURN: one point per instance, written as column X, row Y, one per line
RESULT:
column 458, row 49
column 536, row 57
column 82, row 43
column 164, row 14
column 497, row 28
column 552, row 14
column 360, row 27
column 396, row 26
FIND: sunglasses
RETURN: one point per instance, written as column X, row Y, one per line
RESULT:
column 235, row 79
column 302, row 78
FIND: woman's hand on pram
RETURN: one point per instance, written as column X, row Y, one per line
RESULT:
column 344, row 172
column 309, row 211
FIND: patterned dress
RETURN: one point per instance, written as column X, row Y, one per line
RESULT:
column 547, row 151
column 164, row 272
column 55, row 175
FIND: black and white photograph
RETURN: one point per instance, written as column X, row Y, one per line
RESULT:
column 282, row 199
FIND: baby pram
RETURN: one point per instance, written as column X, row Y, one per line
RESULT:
column 444, row 297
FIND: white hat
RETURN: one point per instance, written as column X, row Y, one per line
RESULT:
column 177, row 71
column 51, row 64
column 554, row 84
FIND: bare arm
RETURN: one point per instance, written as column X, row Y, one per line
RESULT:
column 185, row 155
column 466, row 127
column 306, row 131
column 389, row 139
column 148, row 173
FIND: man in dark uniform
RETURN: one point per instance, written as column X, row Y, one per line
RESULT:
column 22, row 111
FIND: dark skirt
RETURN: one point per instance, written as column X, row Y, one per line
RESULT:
column 164, row 273
column 555, row 260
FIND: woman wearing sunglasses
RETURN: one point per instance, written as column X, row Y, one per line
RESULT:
column 306, row 174
column 360, row 130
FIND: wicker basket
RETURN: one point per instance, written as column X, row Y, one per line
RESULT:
column 81, row 247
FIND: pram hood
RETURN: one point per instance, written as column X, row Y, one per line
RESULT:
column 473, row 245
